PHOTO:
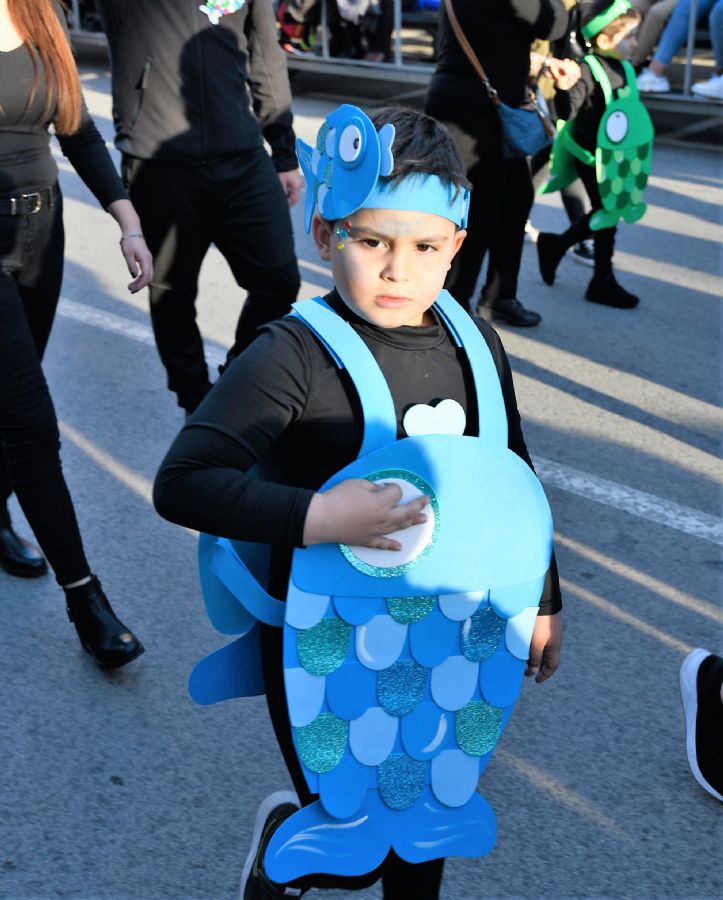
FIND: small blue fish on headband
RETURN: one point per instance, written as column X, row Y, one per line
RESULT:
column 347, row 168
column 343, row 168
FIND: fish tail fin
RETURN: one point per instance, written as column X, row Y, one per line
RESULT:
column 304, row 152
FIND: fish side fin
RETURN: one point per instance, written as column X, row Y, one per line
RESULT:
column 304, row 152
column 233, row 671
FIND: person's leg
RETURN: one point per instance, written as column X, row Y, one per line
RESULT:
column 651, row 27
column 172, row 204
column 379, row 41
column 252, row 229
column 402, row 880
column 712, row 89
column 675, row 33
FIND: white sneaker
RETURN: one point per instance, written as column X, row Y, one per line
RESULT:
column 531, row 232
column 650, row 83
column 712, row 89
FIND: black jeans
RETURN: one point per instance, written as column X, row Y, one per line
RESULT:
column 501, row 199
column 236, row 203
column 604, row 238
column 400, row 880
column 31, row 270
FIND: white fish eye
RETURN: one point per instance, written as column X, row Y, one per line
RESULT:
column 351, row 144
column 616, row 126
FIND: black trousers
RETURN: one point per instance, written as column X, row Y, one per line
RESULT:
column 400, row 880
column 31, row 270
column 236, row 203
column 580, row 230
column 501, row 200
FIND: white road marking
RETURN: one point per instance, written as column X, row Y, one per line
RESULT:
column 690, row 521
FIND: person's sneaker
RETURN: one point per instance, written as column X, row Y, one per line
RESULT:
column 550, row 250
column 531, row 233
column 255, row 885
column 701, row 677
column 605, row 290
column 711, row 89
column 584, row 252
column 650, row 83
column 511, row 312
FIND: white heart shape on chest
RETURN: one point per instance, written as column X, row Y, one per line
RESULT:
column 446, row 417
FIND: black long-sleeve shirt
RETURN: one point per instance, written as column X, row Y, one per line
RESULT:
column 187, row 91
column 585, row 101
column 500, row 33
column 284, row 401
column 26, row 163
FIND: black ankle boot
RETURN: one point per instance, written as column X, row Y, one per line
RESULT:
column 18, row 557
column 605, row 290
column 101, row 632
column 550, row 250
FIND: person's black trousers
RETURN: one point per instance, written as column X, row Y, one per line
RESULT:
column 235, row 202
column 31, row 271
column 501, row 198
column 580, row 230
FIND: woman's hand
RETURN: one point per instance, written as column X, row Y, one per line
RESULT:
column 138, row 259
column 133, row 245
column 545, row 647
column 361, row 513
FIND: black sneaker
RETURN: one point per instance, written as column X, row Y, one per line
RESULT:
column 605, row 290
column 701, row 677
column 255, row 885
column 584, row 252
column 550, row 250
column 511, row 311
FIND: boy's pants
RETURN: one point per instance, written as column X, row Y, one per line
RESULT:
column 581, row 231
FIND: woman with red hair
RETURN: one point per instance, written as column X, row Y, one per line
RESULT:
column 39, row 86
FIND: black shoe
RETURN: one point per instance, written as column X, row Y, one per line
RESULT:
column 550, row 250
column 604, row 289
column 701, row 676
column 18, row 557
column 255, row 884
column 101, row 632
column 510, row 311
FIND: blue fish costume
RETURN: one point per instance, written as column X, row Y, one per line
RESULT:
column 401, row 668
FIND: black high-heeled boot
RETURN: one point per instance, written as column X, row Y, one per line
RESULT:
column 101, row 633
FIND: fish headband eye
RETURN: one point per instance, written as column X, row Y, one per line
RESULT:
column 603, row 19
column 343, row 172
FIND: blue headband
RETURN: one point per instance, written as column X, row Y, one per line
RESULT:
column 343, row 173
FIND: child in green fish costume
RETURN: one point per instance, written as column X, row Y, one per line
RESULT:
column 607, row 142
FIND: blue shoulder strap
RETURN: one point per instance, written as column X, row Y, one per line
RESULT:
column 350, row 352
column 491, row 412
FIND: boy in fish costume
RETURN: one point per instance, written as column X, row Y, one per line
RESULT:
column 382, row 546
column 607, row 141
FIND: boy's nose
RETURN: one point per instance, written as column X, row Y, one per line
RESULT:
column 397, row 267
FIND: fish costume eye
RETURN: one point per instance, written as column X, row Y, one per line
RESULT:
column 617, row 126
column 351, row 144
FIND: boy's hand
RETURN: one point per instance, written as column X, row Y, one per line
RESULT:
column 360, row 513
column 564, row 72
column 545, row 648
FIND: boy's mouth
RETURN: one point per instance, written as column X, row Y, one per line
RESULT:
column 390, row 301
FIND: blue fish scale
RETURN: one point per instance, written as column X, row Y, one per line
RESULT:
column 409, row 724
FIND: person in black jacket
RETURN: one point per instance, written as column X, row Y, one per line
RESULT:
column 501, row 34
column 193, row 102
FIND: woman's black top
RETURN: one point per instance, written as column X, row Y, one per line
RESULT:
column 501, row 34
column 284, row 401
column 26, row 163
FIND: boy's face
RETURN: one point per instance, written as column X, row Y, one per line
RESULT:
column 620, row 45
column 393, row 262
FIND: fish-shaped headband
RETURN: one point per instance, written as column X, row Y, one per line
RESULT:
column 344, row 169
column 603, row 19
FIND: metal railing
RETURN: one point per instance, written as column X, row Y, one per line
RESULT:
column 398, row 66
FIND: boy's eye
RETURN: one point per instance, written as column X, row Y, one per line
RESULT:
column 426, row 248
column 372, row 242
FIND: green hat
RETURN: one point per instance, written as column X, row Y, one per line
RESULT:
column 603, row 19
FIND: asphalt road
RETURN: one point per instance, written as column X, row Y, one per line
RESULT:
column 118, row 787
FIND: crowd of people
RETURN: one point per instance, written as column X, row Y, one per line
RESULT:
column 402, row 205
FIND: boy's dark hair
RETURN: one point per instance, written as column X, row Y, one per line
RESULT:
column 422, row 145
column 593, row 8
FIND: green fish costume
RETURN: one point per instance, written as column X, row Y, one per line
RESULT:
column 623, row 154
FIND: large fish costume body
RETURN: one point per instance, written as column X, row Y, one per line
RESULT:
column 401, row 668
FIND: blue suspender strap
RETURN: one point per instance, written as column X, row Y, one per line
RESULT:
column 350, row 352
column 492, row 415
